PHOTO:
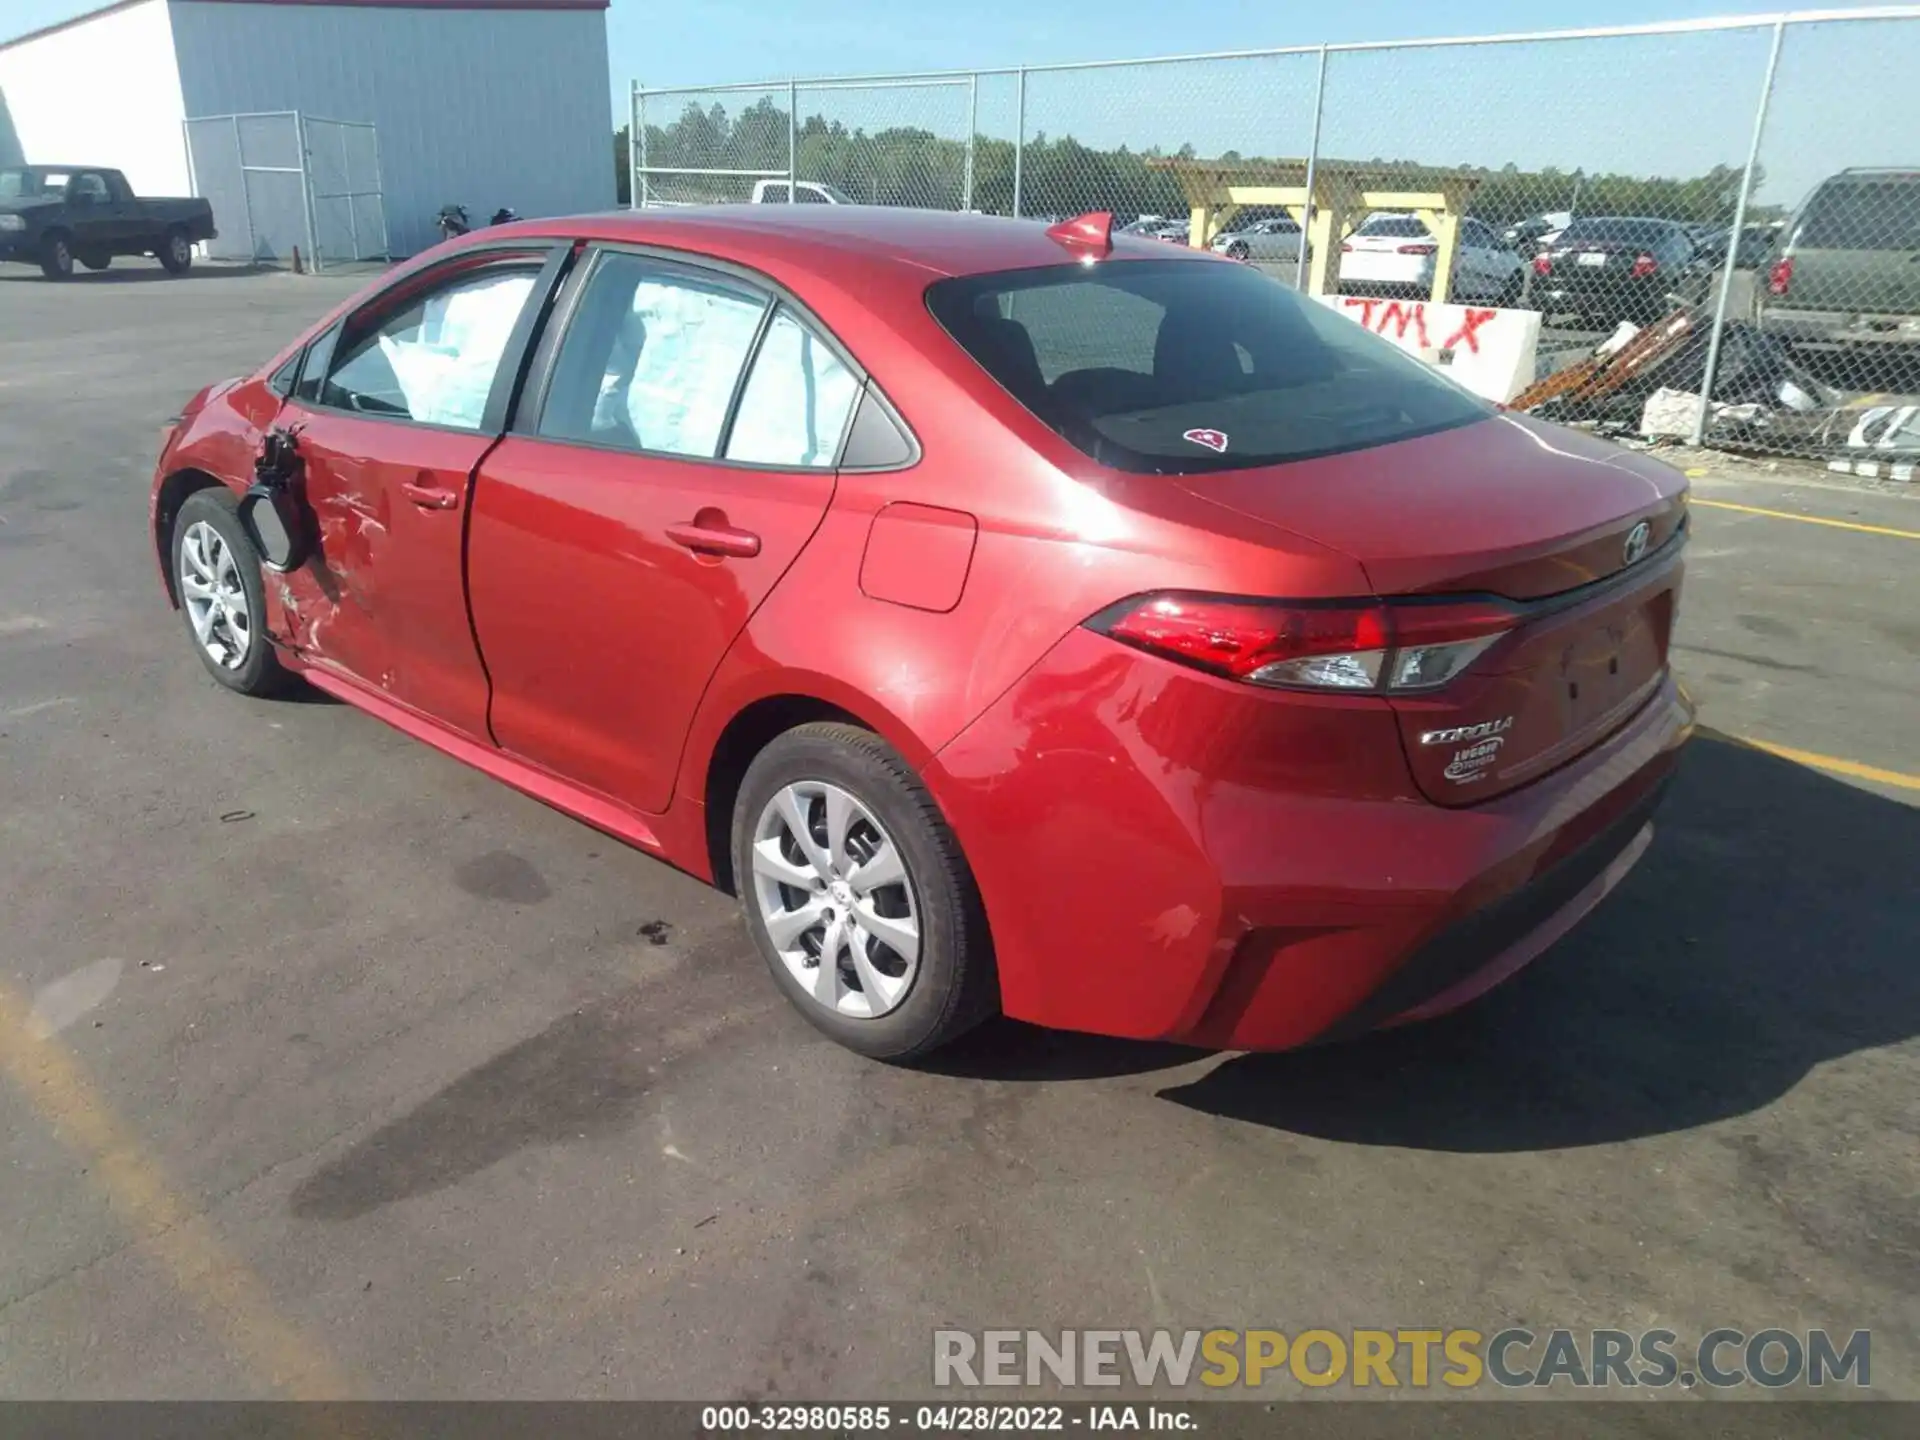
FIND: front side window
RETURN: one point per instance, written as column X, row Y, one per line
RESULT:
column 1177, row 367
column 652, row 358
column 797, row 400
column 435, row 359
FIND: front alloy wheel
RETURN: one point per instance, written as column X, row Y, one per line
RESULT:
column 214, row 596
column 836, row 899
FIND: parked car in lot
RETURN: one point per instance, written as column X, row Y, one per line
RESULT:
column 53, row 215
column 1608, row 268
column 1041, row 620
column 1847, row 273
column 1277, row 238
column 1395, row 254
column 804, row 192
column 1754, row 250
column 1527, row 236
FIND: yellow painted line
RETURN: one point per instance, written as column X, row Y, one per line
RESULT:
column 232, row 1297
column 1806, row 519
column 1837, row 766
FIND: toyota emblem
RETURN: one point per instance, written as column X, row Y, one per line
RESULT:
column 1637, row 539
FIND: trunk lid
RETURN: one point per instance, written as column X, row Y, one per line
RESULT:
column 1539, row 516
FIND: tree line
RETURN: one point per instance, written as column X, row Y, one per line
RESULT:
column 904, row 165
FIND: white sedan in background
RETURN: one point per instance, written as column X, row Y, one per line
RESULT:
column 1275, row 239
column 1396, row 253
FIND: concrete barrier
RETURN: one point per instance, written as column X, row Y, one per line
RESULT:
column 1487, row 350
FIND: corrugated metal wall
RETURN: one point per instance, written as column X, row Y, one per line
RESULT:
column 480, row 107
column 102, row 92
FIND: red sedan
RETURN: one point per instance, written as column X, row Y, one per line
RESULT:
column 1017, row 619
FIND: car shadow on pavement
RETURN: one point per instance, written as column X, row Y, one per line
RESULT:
column 132, row 272
column 1773, row 925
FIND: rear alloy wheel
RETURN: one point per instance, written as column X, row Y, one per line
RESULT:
column 1238, row 251
column 176, row 252
column 857, row 895
column 56, row 257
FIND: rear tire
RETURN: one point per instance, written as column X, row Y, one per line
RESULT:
column 56, row 256
column 1511, row 292
column 216, row 575
column 176, row 252
column 1238, row 251
column 887, row 826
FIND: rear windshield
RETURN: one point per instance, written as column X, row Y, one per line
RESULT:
column 1619, row 232
column 1402, row 227
column 1183, row 367
column 1863, row 215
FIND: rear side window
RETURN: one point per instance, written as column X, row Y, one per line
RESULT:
column 1863, row 215
column 1184, row 367
column 653, row 358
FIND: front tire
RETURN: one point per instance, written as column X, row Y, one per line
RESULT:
column 176, row 252
column 216, row 574
column 857, row 895
column 56, row 257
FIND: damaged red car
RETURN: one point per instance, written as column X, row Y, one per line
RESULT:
column 1016, row 619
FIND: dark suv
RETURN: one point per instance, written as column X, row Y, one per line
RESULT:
column 1608, row 268
column 1848, row 272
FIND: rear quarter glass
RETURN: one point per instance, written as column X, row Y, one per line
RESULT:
column 1180, row 368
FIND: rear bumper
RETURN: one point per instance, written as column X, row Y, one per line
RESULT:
column 1840, row 328
column 1168, row 856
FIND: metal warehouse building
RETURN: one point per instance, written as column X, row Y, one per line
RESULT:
column 344, row 124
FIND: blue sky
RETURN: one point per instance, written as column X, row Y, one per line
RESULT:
column 1670, row 105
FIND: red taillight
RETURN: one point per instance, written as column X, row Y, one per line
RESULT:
column 1644, row 265
column 1415, row 249
column 1780, row 277
column 1357, row 645
column 1346, row 247
column 1543, row 264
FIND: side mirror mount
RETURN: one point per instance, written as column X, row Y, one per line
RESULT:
column 272, row 512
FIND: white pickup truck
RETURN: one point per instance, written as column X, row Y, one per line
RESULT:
column 807, row 192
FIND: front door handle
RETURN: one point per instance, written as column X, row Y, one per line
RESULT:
column 429, row 497
column 715, row 539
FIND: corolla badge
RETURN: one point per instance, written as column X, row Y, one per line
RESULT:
column 1637, row 540
column 1453, row 736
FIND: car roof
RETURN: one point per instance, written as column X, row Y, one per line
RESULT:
column 921, row 245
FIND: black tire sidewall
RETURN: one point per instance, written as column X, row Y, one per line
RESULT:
column 262, row 673
column 175, row 265
column 94, row 259
column 950, row 990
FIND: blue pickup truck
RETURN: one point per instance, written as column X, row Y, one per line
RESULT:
column 53, row 215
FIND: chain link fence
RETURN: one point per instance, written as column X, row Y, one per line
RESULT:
column 1732, row 198
column 282, row 183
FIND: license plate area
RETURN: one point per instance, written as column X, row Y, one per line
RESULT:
column 1590, row 258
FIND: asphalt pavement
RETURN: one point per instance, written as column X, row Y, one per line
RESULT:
column 331, row 1067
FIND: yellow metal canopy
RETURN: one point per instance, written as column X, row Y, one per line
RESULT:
column 1344, row 194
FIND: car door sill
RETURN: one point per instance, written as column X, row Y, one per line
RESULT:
column 589, row 806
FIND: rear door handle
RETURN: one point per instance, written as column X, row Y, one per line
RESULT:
column 715, row 540
column 429, row 497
